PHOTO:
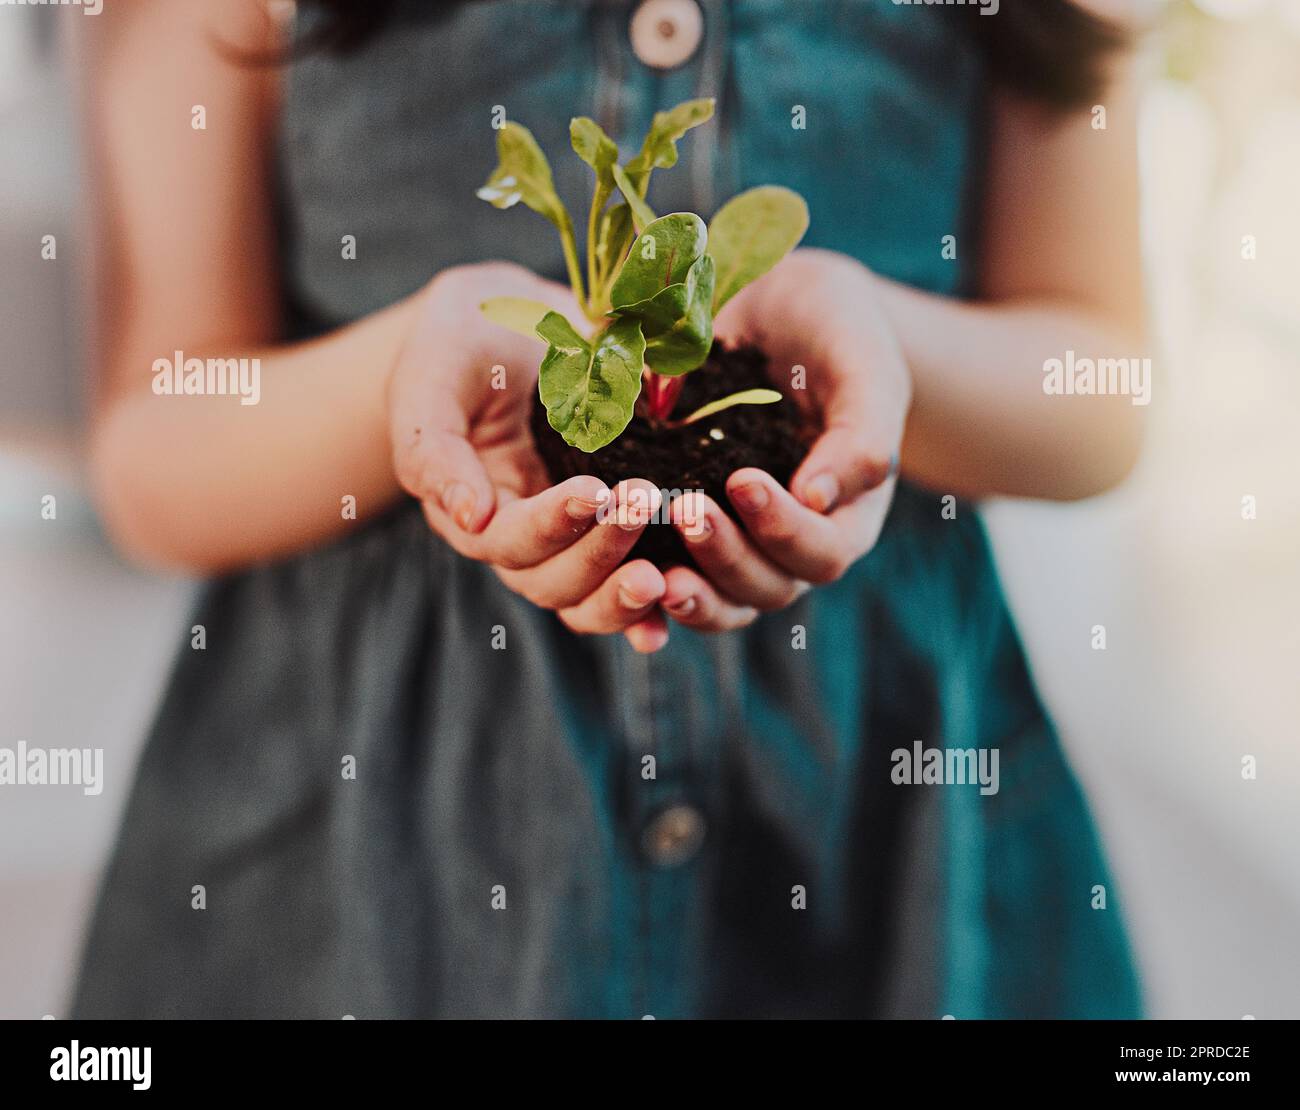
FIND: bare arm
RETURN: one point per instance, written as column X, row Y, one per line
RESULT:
column 186, row 262
column 402, row 400
column 1060, row 270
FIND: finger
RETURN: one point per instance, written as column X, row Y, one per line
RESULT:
column 433, row 400
column 726, row 556
column 803, row 543
column 840, row 466
column 814, row 547
column 649, row 634
column 568, row 577
column 437, row 463
column 440, row 523
column 623, row 599
column 429, row 428
column 529, row 530
column 691, row 601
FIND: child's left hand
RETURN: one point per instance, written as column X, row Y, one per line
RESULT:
column 816, row 310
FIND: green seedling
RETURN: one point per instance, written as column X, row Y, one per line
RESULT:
column 653, row 285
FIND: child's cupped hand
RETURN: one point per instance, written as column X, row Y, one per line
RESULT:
column 832, row 351
column 459, row 401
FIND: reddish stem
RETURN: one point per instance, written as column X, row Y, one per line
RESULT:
column 661, row 394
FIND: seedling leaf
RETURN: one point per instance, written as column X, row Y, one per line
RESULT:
column 744, row 397
column 519, row 314
column 589, row 389
column 659, row 151
column 667, row 284
column 523, row 173
column 642, row 214
column 751, row 233
column 613, row 237
column 662, row 256
column 594, row 147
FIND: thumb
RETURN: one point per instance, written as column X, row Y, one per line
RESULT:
column 435, row 462
column 841, row 466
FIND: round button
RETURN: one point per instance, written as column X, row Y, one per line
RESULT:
column 665, row 33
column 673, row 836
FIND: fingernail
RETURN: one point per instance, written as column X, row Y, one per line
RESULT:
column 750, row 498
column 683, row 608
column 629, row 600
column 696, row 529
column 583, row 508
column 822, row 492
column 634, row 513
column 638, row 506
column 458, row 500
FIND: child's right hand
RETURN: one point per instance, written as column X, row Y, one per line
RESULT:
column 459, row 400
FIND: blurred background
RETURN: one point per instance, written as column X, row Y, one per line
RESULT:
column 1201, row 606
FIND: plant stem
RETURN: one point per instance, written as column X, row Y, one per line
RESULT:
column 570, row 246
column 662, row 393
column 651, row 394
column 595, row 281
column 670, row 390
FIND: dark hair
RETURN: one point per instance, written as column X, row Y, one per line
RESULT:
column 1047, row 50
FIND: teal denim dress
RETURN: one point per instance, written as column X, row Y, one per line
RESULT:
column 501, row 849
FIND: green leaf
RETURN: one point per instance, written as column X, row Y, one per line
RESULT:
column 679, row 321
column 590, row 388
column 523, row 173
column 519, row 314
column 744, row 397
column 661, row 256
column 594, row 147
column 642, row 214
column 751, row 233
column 660, row 147
column 613, row 238
column 667, row 284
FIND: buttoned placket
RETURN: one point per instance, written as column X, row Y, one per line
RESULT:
column 673, row 714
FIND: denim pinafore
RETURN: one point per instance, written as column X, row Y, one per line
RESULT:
column 501, row 849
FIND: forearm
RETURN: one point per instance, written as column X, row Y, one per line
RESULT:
column 205, row 483
column 981, row 423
